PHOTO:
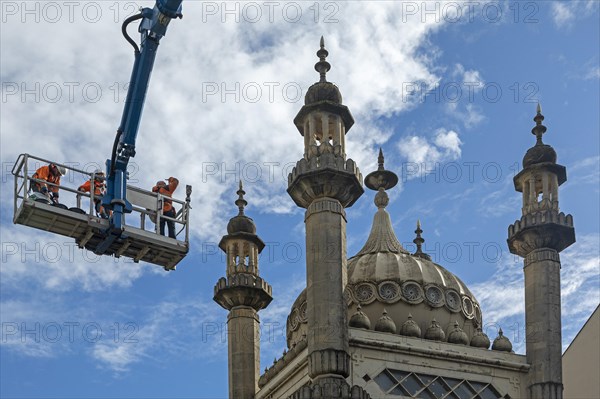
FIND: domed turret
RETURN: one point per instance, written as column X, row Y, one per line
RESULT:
column 540, row 152
column 323, row 90
column 458, row 336
column 501, row 343
column 241, row 223
column 410, row 328
column 480, row 339
column 385, row 324
column 360, row 320
column 434, row 332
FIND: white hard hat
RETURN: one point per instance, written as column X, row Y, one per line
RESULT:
column 61, row 169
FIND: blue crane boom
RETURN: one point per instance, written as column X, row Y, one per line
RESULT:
column 152, row 28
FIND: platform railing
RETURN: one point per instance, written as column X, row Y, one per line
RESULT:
column 145, row 203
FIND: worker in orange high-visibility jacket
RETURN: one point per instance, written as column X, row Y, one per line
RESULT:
column 50, row 173
column 99, row 191
column 167, row 190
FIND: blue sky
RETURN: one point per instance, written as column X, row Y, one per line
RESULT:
column 449, row 97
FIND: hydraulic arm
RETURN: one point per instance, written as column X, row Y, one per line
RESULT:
column 152, row 28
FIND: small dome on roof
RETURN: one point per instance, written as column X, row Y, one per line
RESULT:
column 458, row 336
column 501, row 343
column 385, row 324
column 410, row 328
column 480, row 339
column 360, row 320
column 435, row 332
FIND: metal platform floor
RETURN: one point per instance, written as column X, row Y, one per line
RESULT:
column 88, row 231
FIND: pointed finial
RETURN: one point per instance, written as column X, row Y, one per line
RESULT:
column 538, row 129
column 241, row 202
column 322, row 66
column 419, row 243
column 380, row 160
column 500, row 332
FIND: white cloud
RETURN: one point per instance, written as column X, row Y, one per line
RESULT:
column 208, row 139
column 502, row 296
column 423, row 153
column 562, row 13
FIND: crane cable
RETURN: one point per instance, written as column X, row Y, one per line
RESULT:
column 126, row 35
column 136, row 53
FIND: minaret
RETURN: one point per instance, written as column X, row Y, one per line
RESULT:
column 541, row 233
column 324, row 182
column 243, row 293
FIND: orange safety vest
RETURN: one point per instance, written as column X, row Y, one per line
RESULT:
column 98, row 187
column 167, row 191
column 43, row 173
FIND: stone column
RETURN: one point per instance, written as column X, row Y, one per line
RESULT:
column 543, row 324
column 325, row 274
column 244, row 345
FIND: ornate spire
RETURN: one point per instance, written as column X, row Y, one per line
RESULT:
column 538, row 129
column 322, row 66
column 382, row 237
column 241, row 202
column 419, row 242
column 381, row 180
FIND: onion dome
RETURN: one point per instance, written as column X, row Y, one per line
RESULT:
column 241, row 223
column 410, row 328
column 501, row 343
column 323, row 90
column 434, row 332
column 360, row 320
column 480, row 339
column 458, row 336
column 540, row 152
column 385, row 324
column 385, row 275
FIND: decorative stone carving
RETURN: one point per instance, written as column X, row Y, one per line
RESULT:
column 453, row 301
column 389, row 291
column 412, row 292
column 364, row 293
column 434, row 295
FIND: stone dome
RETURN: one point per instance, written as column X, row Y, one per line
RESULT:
column 360, row 320
column 539, row 153
column 241, row 224
column 323, row 91
column 384, row 276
